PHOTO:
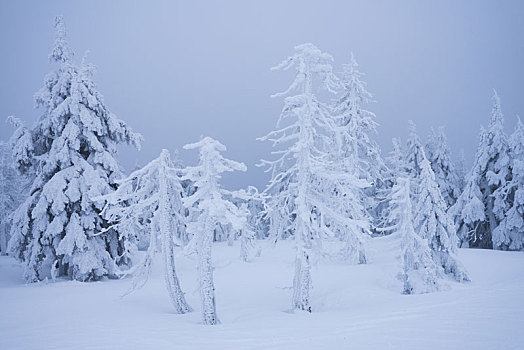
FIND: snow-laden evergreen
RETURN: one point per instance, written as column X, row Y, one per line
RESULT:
column 509, row 235
column 358, row 153
column 150, row 199
column 481, row 206
column 209, row 207
column 432, row 222
column 13, row 189
column 72, row 148
column 462, row 172
column 396, row 168
column 418, row 271
column 14, row 186
column 439, row 155
column 310, row 193
column 250, row 201
column 356, row 125
column 396, row 160
column 414, row 152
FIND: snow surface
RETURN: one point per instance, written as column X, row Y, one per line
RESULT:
column 354, row 307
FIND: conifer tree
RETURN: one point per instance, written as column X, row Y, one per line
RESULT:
column 13, row 188
column 72, row 148
column 358, row 153
column 307, row 187
column 397, row 161
column 509, row 234
column 480, row 208
column 357, row 126
column 438, row 154
column 432, row 223
column 249, row 201
column 461, row 172
column 151, row 195
column 396, row 168
column 210, row 207
column 414, row 152
column 418, row 271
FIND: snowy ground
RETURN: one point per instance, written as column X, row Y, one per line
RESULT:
column 355, row 307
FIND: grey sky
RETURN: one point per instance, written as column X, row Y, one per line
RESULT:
column 178, row 70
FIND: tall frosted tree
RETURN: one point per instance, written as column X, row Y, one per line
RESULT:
column 358, row 153
column 307, row 185
column 150, row 198
column 209, row 207
column 461, row 171
column 7, row 200
column 432, row 222
column 249, row 201
column 509, row 234
column 480, row 209
column 418, row 271
column 356, row 125
column 396, row 160
column 13, row 189
column 414, row 152
column 439, row 155
column 72, row 149
column 396, row 168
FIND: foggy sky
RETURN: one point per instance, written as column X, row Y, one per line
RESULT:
column 177, row 70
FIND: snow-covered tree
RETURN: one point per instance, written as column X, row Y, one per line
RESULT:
column 150, row 199
column 308, row 187
column 249, row 201
column 358, row 153
column 396, row 168
column 509, row 234
column 209, row 207
column 438, row 154
column 397, row 161
column 13, row 188
column 461, row 171
column 14, row 185
column 414, row 151
column 432, row 223
column 481, row 207
column 356, row 125
column 418, row 271
column 72, row 148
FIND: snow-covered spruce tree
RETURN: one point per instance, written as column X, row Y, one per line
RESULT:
column 418, row 271
column 357, row 126
column 357, row 150
column 480, row 208
column 438, row 154
column 209, row 207
column 13, row 188
column 509, row 234
column 396, row 168
column 278, row 209
column 414, row 152
column 461, row 171
column 432, row 222
column 7, row 200
column 469, row 212
column 306, row 185
column 71, row 148
column 249, row 201
column 396, row 161
column 151, row 195
column 257, row 220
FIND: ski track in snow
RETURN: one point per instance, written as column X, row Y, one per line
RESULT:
column 354, row 307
